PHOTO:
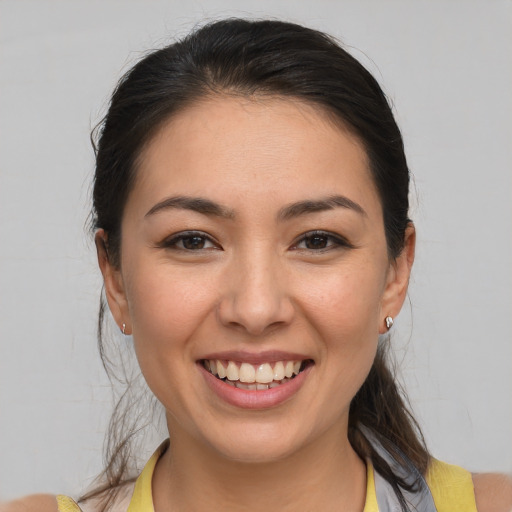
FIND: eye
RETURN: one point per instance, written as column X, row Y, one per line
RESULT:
column 320, row 241
column 190, row 241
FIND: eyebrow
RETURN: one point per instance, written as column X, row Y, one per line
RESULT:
column 210, row 208
column 319, row 205
column 196, row 204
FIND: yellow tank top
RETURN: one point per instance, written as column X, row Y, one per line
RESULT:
column 451, row 488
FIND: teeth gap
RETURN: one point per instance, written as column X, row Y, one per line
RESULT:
column 305, row 364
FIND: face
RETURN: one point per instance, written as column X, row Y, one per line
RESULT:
column 254, row 275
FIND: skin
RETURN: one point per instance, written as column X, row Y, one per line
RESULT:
column 256, row 286
column 493, row 493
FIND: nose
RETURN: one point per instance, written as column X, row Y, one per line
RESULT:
column 256, row 297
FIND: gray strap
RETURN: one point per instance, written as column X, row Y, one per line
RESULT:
column 387, row 500
column 419, row 501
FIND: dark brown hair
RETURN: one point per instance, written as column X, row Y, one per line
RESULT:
column 274, row 58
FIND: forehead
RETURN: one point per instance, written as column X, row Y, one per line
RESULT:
column 259, row 148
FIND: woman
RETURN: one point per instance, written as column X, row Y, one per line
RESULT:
column 251, row 210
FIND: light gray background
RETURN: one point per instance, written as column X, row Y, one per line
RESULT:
column 447, row 68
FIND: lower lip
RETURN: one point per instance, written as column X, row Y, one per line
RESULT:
column 255, row 399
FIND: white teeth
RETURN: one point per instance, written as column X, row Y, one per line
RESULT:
column 264, row 374
column 232, row 371
column 279, row 371
column 221, row 370
column 246, row 376
column 247, row 373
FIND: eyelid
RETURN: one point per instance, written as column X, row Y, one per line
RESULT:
column 339, row 241
column 171, row 241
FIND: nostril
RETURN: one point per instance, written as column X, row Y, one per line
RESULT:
column 255, row 309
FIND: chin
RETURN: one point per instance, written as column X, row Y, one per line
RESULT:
column 257, row 444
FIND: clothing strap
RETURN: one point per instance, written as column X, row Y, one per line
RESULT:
column 67, row 504
column 419, row 500
column 450, row 488
column 142, row 498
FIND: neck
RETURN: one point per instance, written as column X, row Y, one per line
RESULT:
column 324, row 475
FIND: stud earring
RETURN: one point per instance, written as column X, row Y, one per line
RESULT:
column 389, row 322
column 123, row 330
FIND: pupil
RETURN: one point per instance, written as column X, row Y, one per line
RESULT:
column 316, row 242
column 193, row 242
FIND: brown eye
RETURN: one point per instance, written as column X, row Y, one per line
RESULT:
column 316, row 242
column 321, row 241
column 193, row 242
column 190, row 241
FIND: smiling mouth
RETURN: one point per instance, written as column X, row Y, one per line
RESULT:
column 255, row 377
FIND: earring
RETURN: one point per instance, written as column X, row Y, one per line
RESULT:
column 389, row 322
column 123, row 330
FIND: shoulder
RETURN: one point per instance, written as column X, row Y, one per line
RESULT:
column 451, row 487
column 493, row 492
column 33, row 503
column 454, row 488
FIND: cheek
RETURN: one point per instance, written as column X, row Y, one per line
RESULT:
column 345, row 313
column 166, row 309
column 165, row 312
column 165, row 304
column 345, row 302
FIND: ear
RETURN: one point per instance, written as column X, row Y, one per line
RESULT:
column 113, row 280
column 397, row 280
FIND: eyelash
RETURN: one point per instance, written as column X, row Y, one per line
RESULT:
column 172, row 243
column 333, row 242
column 336, row 242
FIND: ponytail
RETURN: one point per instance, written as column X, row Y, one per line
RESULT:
column 381, row 408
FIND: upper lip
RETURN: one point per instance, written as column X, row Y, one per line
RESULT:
column 267, row 356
